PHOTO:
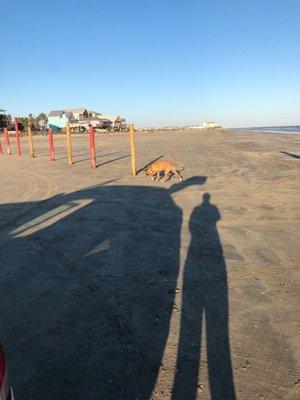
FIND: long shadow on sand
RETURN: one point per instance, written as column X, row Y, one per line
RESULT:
column 88, row 282
column 290, row 154
column 204, row 299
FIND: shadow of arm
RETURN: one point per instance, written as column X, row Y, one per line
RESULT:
column 194, row 180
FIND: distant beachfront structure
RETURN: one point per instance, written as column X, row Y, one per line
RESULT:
column 205, row 125
column 78, row 113
column 59, row 119
column 116, row 120
column 210, row 125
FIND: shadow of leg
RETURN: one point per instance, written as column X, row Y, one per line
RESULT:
column 188, row 360
column 218, row 349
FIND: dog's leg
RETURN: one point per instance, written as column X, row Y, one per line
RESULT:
column 179, row 175
column 167, row 175
column 157, row 176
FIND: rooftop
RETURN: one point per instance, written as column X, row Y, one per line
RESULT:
column 56, row 113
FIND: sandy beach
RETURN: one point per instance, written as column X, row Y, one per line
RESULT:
column 122, row 288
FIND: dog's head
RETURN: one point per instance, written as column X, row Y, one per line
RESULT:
column 148, row 171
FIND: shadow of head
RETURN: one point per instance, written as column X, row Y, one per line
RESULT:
column 206, row 198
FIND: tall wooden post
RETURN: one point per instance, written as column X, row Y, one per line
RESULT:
column 6, row 135
column 51, row 144
column 132, row 149
column 29, row 132
column 92, row 147
column 69, row 146
column 1, row 150
column 17, row 137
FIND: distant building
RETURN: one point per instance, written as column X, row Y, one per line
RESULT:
column 116, row 121
column 78, row 113
column 59, row 119
column 209, row 125
column 94, row 114
column 96, row 122
column 204, row 126
column 196, row 127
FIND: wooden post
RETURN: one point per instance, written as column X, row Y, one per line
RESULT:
column 69, row 146
column 51, row 144
column 92, row 147
column 132, row 149
column 17, row 137
column 29, row 132
column 1, row 150
column 6, row 135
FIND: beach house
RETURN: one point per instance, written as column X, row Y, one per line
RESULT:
column 78, row 113
column 116, row 121
column 94, row 114
column 58, row 119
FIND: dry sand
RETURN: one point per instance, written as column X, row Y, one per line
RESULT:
column 116, row 287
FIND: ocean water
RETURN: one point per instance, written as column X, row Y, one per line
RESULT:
column 274, row 129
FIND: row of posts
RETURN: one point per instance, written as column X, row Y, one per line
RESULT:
column 92, row 146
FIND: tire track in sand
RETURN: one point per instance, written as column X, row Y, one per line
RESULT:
column 130, row 347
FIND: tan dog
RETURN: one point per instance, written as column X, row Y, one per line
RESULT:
column 162, row 166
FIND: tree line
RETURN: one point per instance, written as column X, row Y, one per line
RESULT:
column 36, row 123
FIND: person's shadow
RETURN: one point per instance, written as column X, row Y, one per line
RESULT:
column 204, row 299
column 96, row 273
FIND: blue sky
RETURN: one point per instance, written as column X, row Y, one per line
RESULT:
column 156, row 62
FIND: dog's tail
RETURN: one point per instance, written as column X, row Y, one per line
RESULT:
column 173, row 159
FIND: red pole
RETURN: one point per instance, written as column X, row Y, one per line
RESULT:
column 17, row 137
column 92, row 147
column 51, row 144
column 7, row 141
